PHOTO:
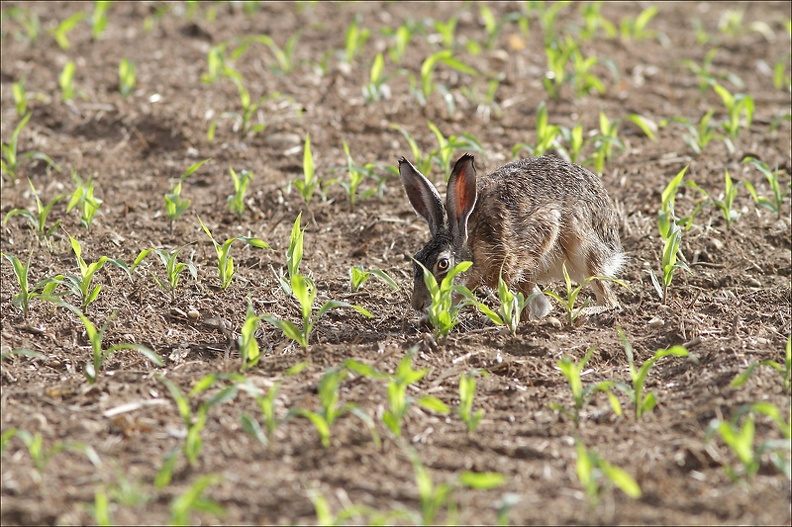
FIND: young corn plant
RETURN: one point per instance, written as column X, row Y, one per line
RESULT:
column 644, row 403
column 568, row 302
column 43, row 289
column 249, row 350
column 593, row 471
column 359, row 276
column 446, row 31
column 594, row 22
column 725, row 205
column 332, row 409
column 309, row 184
column 443, row 313
column 428, row 84
column 96, row 338
column 99, row 17
column 670, row 262
column 574, row 141
column 236, row 201
column 376, row 89
column 175, row 206
column 80, row 285
column 61, row 32
column 266, row 403
column 225, row 263
column 604, row 143
column 192, row 500
column 582, row 395
column 771, row 176
column 697, row 137
column 284, row 57
column 194, row 421
column 173, row 267
column 83, row 197
column 635, row 28
column 66, row 81
column 401, row 39
column 38, row 220
column 249, row 108
column 399, row 403
column 785, row 369
column 509, row 311
column 10, row 163
column 546, row 135
column 34, row 443
column 354, row 39
column 422, row 162
column 666, row 215
column 357, row 175
column 446, row 147
column 126, row 77
column 737, row 106
column 20, row 97
column 467, row 392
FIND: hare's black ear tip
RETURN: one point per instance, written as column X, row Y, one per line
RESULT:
column 468, row 156
column 402, row 159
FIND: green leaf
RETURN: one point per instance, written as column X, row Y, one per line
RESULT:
column 433, row 403
column 482, row 480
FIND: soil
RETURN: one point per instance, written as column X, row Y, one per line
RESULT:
column 731, row 310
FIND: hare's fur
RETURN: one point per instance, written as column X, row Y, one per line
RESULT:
column 527, row 218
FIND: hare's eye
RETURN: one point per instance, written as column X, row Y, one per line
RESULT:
column 442, row 264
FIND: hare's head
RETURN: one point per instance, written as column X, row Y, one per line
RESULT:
column 447, row 224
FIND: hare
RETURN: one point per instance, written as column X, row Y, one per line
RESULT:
column 524, row 220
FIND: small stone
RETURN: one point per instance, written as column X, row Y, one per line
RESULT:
column 553, row 321
column 656, row 322
column 753, row 282
column 715, row 244
column 194, row 314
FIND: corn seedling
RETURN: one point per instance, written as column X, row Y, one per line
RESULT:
column 99, row 17
column 175, row 206
column 446, row 31
column 11, row 158
column 736, row 106
column 266, row 404
column 422, row 163
column 785, row 369
column 467, row 392
column 26, row 293
column 741, row 440
column 80, row 285
column 782, row 80
column 357, row 174
column 635, row 28
column 27, row 19
column 173, row 268
column 772, row 179
column 666, row 216
column 332, row 409
column 96, row 338
column 574, row 141
column 20, row 97
column 309, row 183
column 126, row 76
column 248, row 345
column 192, row 500
column 485, row 103
column 236, row 201
column 376, row 89
column 355, row 514
column 546, row 135
column 568, row 302
column 61, row 32
column 443, row 313
column 225, row 263
column 358, row 276
column 23, row 352
column 40, row 455
column 194, row 422
column 493, row 25
column 725, row 205
column 604, row 142
column 399, row 403
column 66, row 81
column 698, row 137
column 354, row 40
column 510, row 309
column 592, row 471
column 401, row 39
column 83, row 196
column 644, row 403
column 435, row 498
column 101, row 509
column 446, row 56
column 38, row 221
column 249, row 108
column 580, row 395
column 594, row 21
column 670, row 262
column 706, row 76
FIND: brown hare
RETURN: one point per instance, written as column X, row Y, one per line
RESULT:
column 527, row 218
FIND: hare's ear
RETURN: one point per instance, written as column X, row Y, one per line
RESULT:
column 423, row 195
column 461, row 196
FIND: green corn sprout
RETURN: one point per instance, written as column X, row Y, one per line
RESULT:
column 99, row 17
column 11, row 159
column 725, row 205
column 422, row 163
column 670, row 262
column 446, row 30
column 126, row 77
column 581, row 395
column 785, row 369
column 399, row 403
column 736, row 106
column 428, row 66
column 666, row 216
column 173, row 268
column 357, row 174
column 236, row 201
column 546, row 135
column 66, row 81
column 225, row 263
column 175, row 206
column 592, row 470
column 604, row 142
column 467, row 392
column 26, row 293
column 635, row 28
column 772, row 179
column 593, row 21
column 248, row 346
column 96, row 338
column 354, row 40
column 61, row 32
column 41, row 455
column 38, row 220
column 80, row 285
column 376, row 89
column 192, row 499
column 20, row 97
column 644, row 403
column 698, row 137
column 568, row 303
column 443, row 313
column 83, row 196
column 309, row 183
column 358, row 276
column 446, row 147
column 510, row 309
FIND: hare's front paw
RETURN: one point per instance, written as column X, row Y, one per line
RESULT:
column 539, row 306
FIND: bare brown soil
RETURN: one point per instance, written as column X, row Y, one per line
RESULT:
column 732, row 309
